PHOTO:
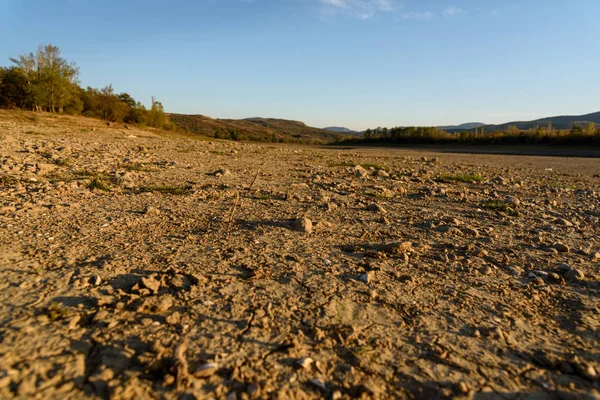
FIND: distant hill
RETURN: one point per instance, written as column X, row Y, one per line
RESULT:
column 339, row 129
column 467, row 125
column 255, row 129
column 558, row 122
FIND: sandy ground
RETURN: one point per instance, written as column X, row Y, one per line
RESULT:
column 135, row 265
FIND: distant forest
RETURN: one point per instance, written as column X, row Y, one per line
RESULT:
column 576, row 136
column 45, row 81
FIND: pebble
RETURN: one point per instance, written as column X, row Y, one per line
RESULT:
column 381, row 173
column 222, row 173
column 173, row 319
column 150, row 210
column 180, row 282
column 574, row 274
column 95, row 280
column 206, row 370
column 151, row 283
column 305, row 362
column 513, row 200
column 318, row 383
column 486, row 270
column 302, row 225
column 564, row 267
column 561, row 248
column 367, row 278
column 397, row 247
column 590, row 372
column 450, row 230
column 360, row 172
column 471, row 231
column 376, row 208
column 562, row 221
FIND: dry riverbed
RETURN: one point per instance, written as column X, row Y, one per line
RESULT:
column 138, row 265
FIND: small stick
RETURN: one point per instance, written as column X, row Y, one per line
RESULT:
column 232, row 213
column 183, row 373
column 254, row 180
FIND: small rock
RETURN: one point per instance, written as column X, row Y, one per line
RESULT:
column 150, row 210
column 575, row 274
column 561, row 248
column 305, row 362
column 463, row 388
column 381, row 173
column 151, row 283
column 155, row 304
column 589, row 371
column 222, row 173
column 173, row 319
column 367, row 278
column 74, row 321
column 562, row 221
column 471, row 231
column 486, row 270
column 206, row 370
column 318, row 383
column 180, row 282
column 513, row 200
column 360, row 172
column 397, row 247
column 95, row 280
column 564, row 267
column 449, row 230
column 302, row 225
column 376, row 208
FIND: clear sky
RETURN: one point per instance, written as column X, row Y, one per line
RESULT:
column 353, row 63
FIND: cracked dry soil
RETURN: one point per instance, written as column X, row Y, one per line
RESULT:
column 137, row 265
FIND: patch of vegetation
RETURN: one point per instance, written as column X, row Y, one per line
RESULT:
column 376, row 194
column 466, row 178
column 97, row 183
column 174, row 190
column 6, row 180
column 498, row 205
column 56, row 312
column 375, row 166
column 34, row 133
column 139, row 167
column 56, row 161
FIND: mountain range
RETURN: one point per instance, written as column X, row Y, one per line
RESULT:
column 558, row 122
column 282, row 130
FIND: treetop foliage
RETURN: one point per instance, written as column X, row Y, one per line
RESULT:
column 45, row 81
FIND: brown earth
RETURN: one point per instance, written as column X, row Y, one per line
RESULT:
column 138, row 265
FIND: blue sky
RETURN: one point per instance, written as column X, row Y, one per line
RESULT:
column 355, row 63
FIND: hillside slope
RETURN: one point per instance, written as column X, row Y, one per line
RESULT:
column 255, row 129
column 558, row 122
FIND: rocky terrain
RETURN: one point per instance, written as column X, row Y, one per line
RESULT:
column 136, row 265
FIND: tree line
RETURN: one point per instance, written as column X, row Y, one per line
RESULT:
column 45, row 81
column 577, row 135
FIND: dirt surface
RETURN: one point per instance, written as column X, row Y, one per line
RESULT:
column 135, row 265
